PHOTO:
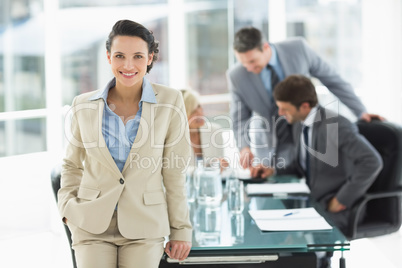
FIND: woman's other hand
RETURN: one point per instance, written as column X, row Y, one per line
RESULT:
column 178, row 250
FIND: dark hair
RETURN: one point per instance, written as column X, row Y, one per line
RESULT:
column 248, row 38
column 296, row 89
column 131, row 28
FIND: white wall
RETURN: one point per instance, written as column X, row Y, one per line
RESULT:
column 382, row 58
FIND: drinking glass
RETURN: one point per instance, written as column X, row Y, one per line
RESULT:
column 235, row 196
column 209, row 185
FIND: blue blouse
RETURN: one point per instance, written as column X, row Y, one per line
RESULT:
column 119, row 138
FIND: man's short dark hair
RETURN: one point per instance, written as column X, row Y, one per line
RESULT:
column 296, row 89
column 248, row 38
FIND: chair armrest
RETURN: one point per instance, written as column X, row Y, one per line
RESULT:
column 370, row 196
column 358, row 207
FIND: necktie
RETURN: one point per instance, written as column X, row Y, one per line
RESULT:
column 274, row 80
column 305, row 137
column 274, row 77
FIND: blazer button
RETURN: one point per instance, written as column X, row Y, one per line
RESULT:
column 121, row 181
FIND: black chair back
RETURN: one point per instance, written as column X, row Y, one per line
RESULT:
column 55, row 177
column 379, row 211
column 387, row 140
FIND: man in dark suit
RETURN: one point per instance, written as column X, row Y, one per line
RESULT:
column 338, row 163
column 251, row 80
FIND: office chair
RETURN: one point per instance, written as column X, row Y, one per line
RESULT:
column 382, row 202
column 55, row 179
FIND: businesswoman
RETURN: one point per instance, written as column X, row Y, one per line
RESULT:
column 123, row 179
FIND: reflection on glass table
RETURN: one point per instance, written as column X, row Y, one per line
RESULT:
column 207, row 225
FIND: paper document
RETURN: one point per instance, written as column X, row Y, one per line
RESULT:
column 278, row 188
column 301, row 219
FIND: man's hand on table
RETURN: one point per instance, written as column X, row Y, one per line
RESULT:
column 261, row 171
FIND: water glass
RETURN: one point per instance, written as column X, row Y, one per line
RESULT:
column 235, row 196
column 227, row 175
column 209, row 186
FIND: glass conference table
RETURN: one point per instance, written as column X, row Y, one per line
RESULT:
column 224, row 239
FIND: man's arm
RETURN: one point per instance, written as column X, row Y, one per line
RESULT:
column 333, row 81
column 240, row 115
column 366, row 161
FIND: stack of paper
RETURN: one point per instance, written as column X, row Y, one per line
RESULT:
column 301, row 219
column 277, row 188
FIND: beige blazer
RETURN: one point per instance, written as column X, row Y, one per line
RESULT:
column 150, row 191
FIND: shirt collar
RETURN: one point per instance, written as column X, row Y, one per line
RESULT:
column 274, row 57
column 311, row 117
column 148, row 94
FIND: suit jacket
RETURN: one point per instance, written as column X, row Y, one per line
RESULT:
column 150, row 191
column 342, row 162
column 249, row 96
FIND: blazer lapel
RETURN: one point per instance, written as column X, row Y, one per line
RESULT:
column 96, row 127
column 147, row 120
column 296, row 132
column 284, row 62
column 260, row 88
column 316, row 142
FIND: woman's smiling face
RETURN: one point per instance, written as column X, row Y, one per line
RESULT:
column 129, row 59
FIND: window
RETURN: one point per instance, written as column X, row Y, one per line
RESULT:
column 333, row 29
column 22, row 74
column 34, row 82
column 210, row 30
